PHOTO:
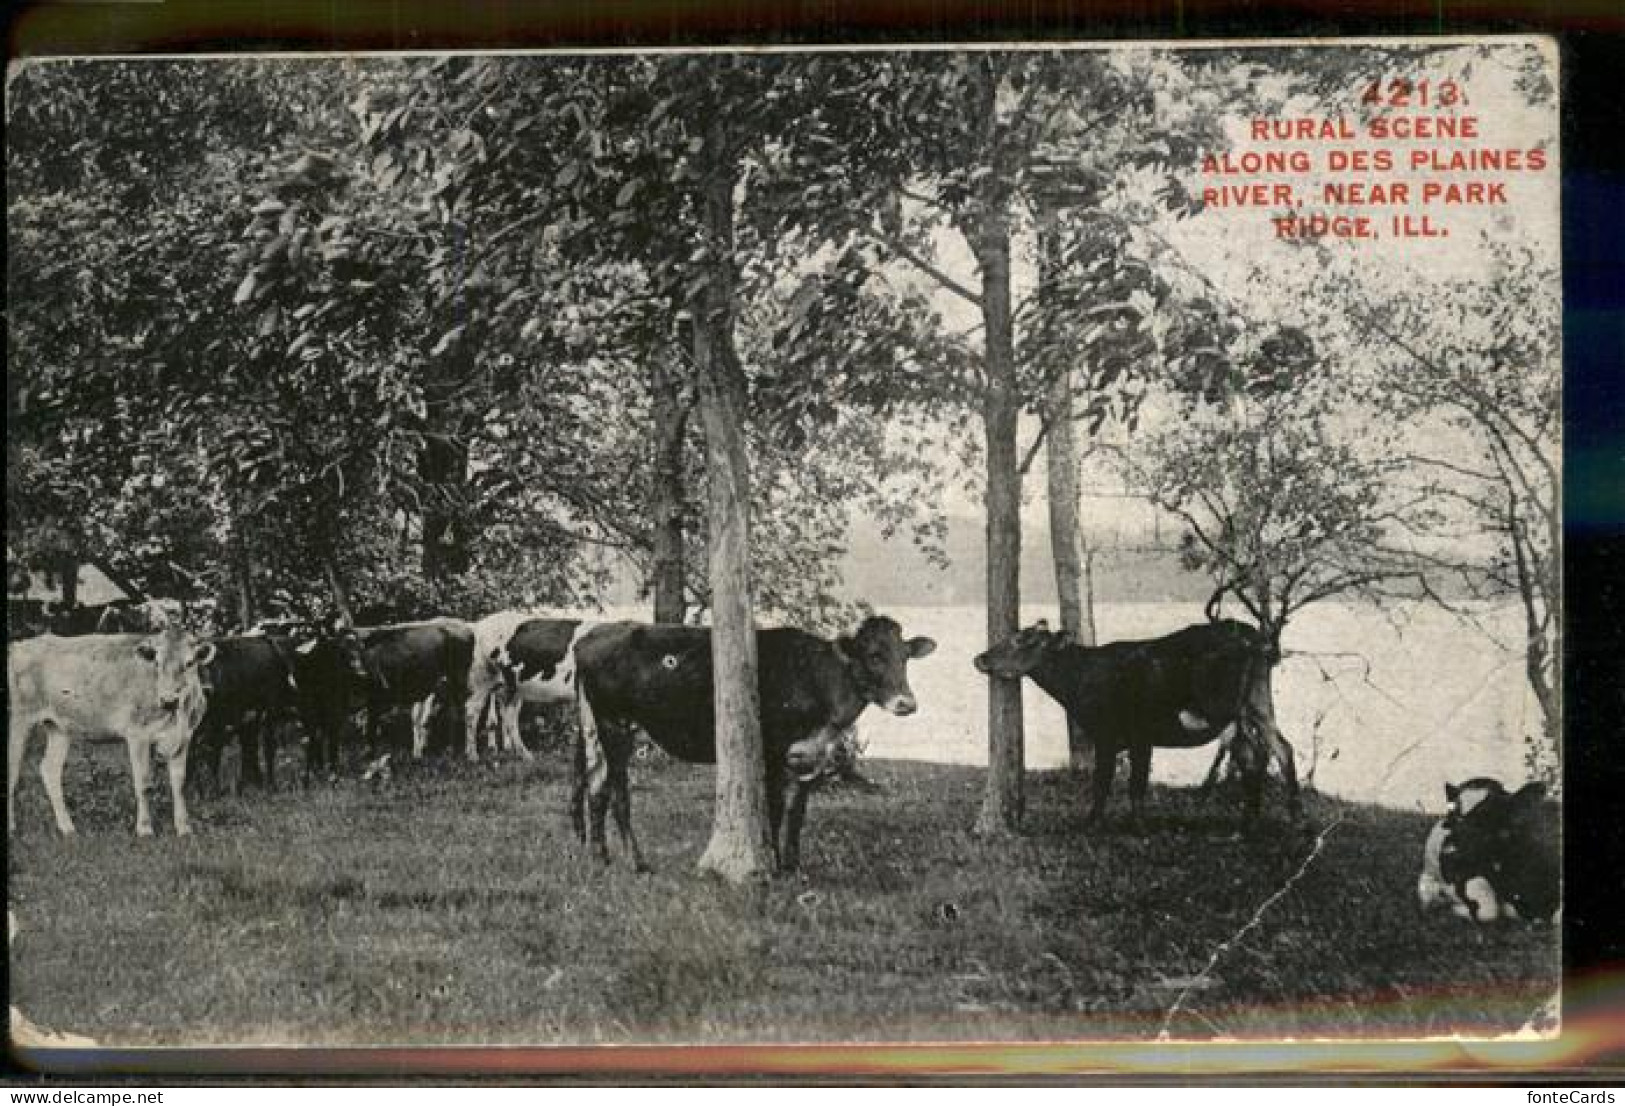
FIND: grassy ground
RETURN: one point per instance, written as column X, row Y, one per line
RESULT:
column 450, row 904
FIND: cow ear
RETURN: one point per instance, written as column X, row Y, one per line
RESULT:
column 921, row 647
column 1451, row 792
column 148, row 651
column 203, row 654
column 843, row 647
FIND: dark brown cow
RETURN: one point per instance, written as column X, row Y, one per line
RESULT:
column 659, row 678
column 1178, row 691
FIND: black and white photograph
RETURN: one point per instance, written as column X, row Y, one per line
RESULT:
column 802, row 545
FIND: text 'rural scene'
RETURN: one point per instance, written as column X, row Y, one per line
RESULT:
column 944, row 544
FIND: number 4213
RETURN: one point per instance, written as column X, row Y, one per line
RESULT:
column 1400, row 92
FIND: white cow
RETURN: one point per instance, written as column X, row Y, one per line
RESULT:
column 141, row 688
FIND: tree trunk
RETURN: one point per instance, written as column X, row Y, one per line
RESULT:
column 341, row 598
column 443, row 467
column 1002, row 802
column 1066, row 544
column 666, row 493
column 740, row 847
column 242, row 570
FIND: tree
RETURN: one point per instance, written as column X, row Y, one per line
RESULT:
column 1479, row 361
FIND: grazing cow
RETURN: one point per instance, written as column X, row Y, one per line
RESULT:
column 1476, row 898
column 141, row 688
column 1178, row 691
column 1513, row 841
column 519, row 658
column 659, row 677
column 249, row 683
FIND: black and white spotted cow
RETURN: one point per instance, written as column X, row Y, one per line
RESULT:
column 519, row 657
column 1475, row 898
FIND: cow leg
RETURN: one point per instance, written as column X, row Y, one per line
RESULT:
column 50, row 772
column 795, row 812
column 18, row 746
column 208, row 741
column 578, row 788
column 621, row 806
column 473, row 717
column 422, row 716
column 177, row 791
column 594, row 782
column 456, row 700
column 1139, row 776
column 1100, row 785
column 267, row 749
column 507, row 710
column 248, row 754
column 140, row 765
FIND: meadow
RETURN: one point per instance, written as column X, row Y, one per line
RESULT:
column 449, row 903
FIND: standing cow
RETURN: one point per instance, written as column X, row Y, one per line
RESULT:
column 412, row 662
column 659, row 677
column 331, row 672
column 1178, row 691
column 250, row 685
column 519, row 657
column 143, row 689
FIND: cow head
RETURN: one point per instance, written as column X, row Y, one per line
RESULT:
column 877, row 656
column 337, row 651
column 1461, row 798
column 1019, row 654
column 177, row 660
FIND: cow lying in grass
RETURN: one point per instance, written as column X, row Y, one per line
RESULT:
column 1510, row 842
column 1475, row 899
column 1179, row 691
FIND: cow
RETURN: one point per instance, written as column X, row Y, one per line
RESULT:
column 659, row 678
column 331, row 670
column 1179, row 691
column 250, row 683
column 412, row 662
column 519, row 658
column 1513, row 841
column 1475, row 899
column 144, row 689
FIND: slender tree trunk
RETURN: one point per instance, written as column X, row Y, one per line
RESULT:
column 341, row 598
column 667, row 493
column 68, row 570
column 1066, row 541
column 1002, row 802
column 242, row 570
column 740, row 847
column 443, row 466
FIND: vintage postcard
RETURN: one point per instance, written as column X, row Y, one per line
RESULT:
column 786, row 546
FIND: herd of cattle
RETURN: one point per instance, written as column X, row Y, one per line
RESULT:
column 1494, row 853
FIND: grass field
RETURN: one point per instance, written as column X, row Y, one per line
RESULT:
column 450, row 904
